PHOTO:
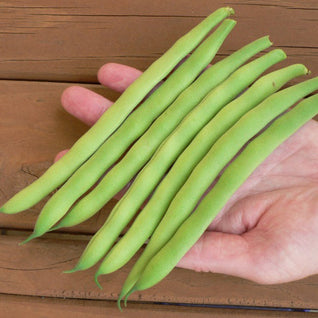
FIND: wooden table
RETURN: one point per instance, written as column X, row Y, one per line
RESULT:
column 47, row 46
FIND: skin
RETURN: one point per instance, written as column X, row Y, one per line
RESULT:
column 255, row 236
column 267, row 231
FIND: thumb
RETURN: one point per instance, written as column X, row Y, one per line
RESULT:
column 221, row 253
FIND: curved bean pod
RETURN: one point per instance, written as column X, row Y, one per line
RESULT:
column 144, row 148
column 148, row 219
column 213, row 162
column 168, row 151
column 233, row 177
column 131, row 129
column 113, row 117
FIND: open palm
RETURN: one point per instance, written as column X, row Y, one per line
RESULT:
column 268, row 231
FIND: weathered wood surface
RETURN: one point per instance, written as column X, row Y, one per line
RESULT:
column 43, row 43
column 29, row 140
column 36, row 268
column 70, row 40
column 34, row 128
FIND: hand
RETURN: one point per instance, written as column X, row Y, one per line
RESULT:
column 268, row 230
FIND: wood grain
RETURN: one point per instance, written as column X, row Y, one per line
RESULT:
column 36, row 269
column 30, row 139
column 72, row 40
column 42, row 43
column 28, row 142
column 34, row 128
column 13, row 306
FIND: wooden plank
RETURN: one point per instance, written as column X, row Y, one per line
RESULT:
column 142, row 8
column 35, row 269
column 38, row 307
column 33, row 128
column 69, row 42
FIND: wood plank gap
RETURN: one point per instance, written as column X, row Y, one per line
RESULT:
column 225, row 306
column 34, row 80
column 37, row 269
column 173, row 306
column 50, row 235
column 121, row 15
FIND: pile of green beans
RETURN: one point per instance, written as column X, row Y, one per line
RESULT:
column 145, row 147
column 131, row 129
column 168, row 151
column 177, row 142
column 152, row 213
column 60, row 171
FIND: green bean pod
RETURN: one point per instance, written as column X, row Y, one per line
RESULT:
column 211, row 165
column 131, row 129
column 60, row 171
column 148, row 219
column 144, row 147
column 168, row 151
column 233, row 177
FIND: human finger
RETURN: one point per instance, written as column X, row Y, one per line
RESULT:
column 232, row 254
column 84, row 104
column 117, row 76
column 88, row 106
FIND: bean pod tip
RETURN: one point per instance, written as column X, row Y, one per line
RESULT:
column 31, row 237
column 70, row 271
column 96, row 281
column 120, row 297
column 128, row 294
